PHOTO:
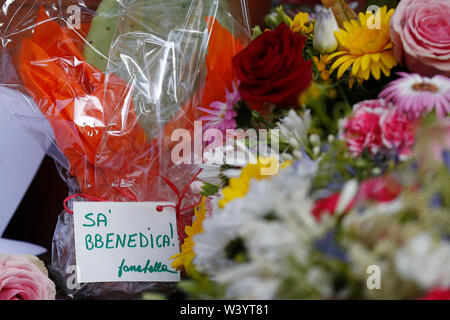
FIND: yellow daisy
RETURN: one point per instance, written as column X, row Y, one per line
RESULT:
column 187, row 254
column 238, row 187
column 302, row 24
column 365, row 46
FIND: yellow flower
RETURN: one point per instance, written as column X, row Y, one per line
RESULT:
column 321, row 65
column 313, row 93
column 302, row 24
column 187, row 254
column 238, row 187
column 366, row 46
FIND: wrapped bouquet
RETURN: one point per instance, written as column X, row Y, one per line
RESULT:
column 306, row 158
column 109, row 87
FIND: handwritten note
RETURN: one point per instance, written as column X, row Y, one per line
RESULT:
column 125, row 241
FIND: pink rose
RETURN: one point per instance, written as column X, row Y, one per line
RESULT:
column 420, row 31
column 24, row 278
column 398, row 132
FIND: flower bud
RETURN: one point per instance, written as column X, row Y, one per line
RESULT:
column 278, row 16
column 197, row 187
column 297, row 154
column 316, row 151
column 315, row 140
column 331, row 139
column 287, row 157
column 324, row 39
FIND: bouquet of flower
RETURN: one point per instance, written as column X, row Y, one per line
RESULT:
column 354, row 109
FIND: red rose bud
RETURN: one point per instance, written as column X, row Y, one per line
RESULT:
column 272, row 68
column 380, row 190
column 438, row 294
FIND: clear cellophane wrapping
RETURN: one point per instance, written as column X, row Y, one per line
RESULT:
column 105, row 88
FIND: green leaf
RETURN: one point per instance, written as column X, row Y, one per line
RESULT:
column 209, row 189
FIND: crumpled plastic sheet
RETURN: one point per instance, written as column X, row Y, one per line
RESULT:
column 106, row 117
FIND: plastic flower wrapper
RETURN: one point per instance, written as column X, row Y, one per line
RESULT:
column 114, row 85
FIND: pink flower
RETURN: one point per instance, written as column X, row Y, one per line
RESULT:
column 398, row 132
column 433, row 144
column 380, row 189
column 376, row 125
column 221, row 114
column 417, row 96
column 437, row 294
column 420, row 31
column 24, row 278
column 373, row 104
column 362, row 129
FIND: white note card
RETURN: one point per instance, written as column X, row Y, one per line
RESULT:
column 125, row 242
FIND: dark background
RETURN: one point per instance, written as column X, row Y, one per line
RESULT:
column 35, row 219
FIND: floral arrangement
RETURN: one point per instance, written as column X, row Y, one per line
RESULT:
column 360, row 206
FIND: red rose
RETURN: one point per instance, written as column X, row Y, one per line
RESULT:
column 380, row 189
column 272, row 68
column 438, row 294
column 328, row 206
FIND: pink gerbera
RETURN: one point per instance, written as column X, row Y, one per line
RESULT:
column 417, row 96
column 221, row 115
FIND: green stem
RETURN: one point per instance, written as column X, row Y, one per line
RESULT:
column 347, row 104
column 323, row 116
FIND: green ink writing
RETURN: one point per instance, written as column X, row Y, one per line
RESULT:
column 132, row 240
column 157, row 267
column 111, row 241
column 88, row 217
column 89, row 243
column 101, row 219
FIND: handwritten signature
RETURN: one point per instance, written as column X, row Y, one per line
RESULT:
column 156, row 267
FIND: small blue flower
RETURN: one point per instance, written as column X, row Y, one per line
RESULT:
column 328, row 246
column 436, row 201
column 350, row 170
column 446, row 157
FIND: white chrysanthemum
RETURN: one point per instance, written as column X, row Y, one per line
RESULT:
column 268, row 221
column 425, row 261
column 221, row 228
column 250, row 281
column 235, row 153
column 294, row 130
